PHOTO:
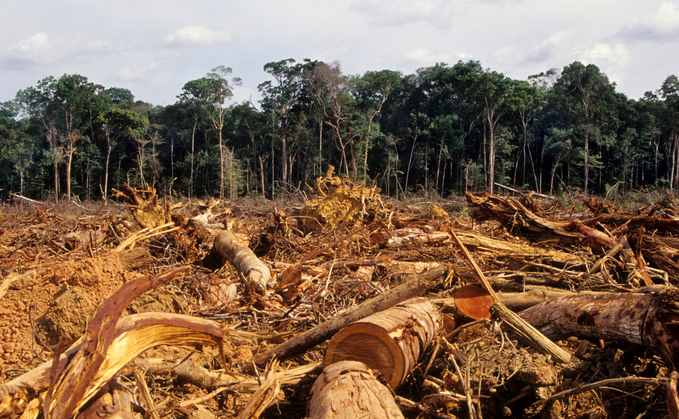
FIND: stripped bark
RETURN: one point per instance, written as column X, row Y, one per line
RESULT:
column 390, row 341
column 349, row 390
column 647, row 319
column 256, row 273
column 67, row 393
column 132, row 335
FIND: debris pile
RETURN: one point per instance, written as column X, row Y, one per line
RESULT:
column 261, row 309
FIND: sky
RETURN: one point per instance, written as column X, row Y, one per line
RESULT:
column 154, row 47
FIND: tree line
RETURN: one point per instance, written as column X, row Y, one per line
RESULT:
column 443, row 130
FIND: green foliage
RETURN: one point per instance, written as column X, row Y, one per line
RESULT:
column 444, row 129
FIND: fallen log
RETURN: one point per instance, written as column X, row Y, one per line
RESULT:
column 646, row 319
column 349, row 390
column 327, row 329
column 256, row 273
column 390, row 341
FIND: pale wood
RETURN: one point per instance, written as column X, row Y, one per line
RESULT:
column 245, row 261
column 265, row 394
column 390, row 341
column 349, row 390
column 529, row 334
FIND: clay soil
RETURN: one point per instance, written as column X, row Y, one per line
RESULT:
column 58, row 264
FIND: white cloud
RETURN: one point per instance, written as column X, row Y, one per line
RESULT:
column 144, row 73
column 661, row 25
column 197, row 35
column 39, row 50
column 400, row 12
column 423, row 56
column 33, row 50
column 616, row 55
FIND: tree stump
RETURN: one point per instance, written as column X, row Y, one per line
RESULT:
column 348, row 389
column 390, row 341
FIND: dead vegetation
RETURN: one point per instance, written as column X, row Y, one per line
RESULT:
column 341, row 306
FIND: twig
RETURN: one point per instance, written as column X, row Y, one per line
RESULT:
column 145, row 394
column 605, row 383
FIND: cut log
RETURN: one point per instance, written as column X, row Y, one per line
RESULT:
column 647, row 319
column 349, row 390
column 245, row 261
column 390, row 341
column 473, row 301
column 325, row 330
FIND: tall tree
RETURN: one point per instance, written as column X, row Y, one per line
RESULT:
column 281, row 98
column 587, row 98
column 38, row 104
column 332, row 91
column 114, row 124
column 669, row 91
column 372, row 90
column 499, row 97
column 78, row 102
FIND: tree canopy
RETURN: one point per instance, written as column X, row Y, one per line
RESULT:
column 444, row 130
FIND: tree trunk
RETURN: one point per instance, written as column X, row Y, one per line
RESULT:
column 586, row 151
column 651, row 320
column 349, row 390
column 390, row 341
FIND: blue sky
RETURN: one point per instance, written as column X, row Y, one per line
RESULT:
column 154, row 47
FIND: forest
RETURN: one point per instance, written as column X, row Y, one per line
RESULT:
column 444, row 130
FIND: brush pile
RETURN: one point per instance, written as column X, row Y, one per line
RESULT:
column 346, row 305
